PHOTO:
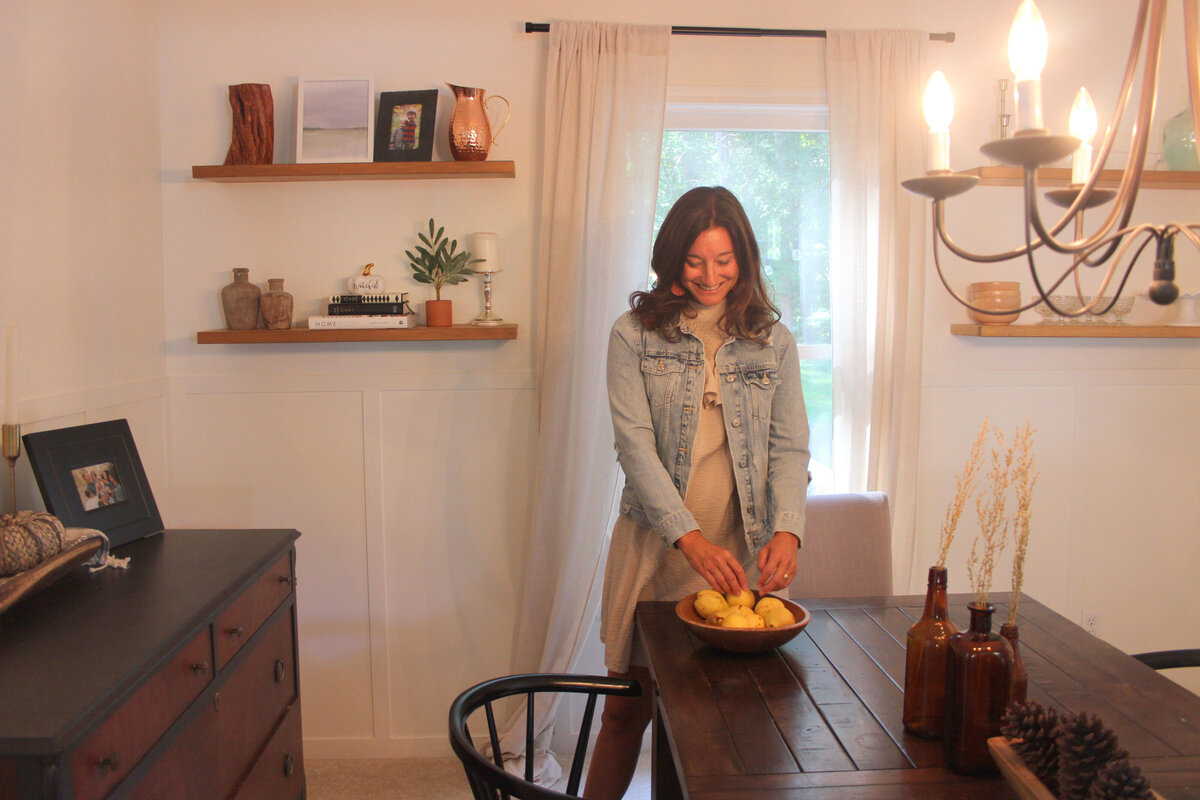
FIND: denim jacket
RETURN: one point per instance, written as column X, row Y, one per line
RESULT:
column 655, row 388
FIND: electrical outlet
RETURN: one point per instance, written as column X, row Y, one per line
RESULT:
column 1091, row 622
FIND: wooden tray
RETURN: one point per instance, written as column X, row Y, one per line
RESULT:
column 38, row 577
column 1020, row 777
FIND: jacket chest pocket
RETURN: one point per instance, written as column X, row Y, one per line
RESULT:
column 759, row 384
column 662, row 373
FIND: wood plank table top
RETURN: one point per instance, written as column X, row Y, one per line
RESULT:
column 820, row 718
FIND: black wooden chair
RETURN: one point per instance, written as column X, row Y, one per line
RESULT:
column 1169, row 659
column 488, row 779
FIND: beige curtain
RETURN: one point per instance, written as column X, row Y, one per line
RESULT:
column 877, row 269
column 605, row 97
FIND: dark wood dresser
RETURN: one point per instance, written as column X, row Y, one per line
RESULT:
column 173, row 679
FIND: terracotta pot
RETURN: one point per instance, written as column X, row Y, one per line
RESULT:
column 239, row 301
column 276, row 305
column 439, row 313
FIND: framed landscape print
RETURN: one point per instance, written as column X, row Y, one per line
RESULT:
column 404, row 125
column 91, row 476
column 333, row 120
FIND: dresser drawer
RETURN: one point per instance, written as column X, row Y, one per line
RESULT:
column 108, row 754
column 279, row 772
column 214, row 754
column 238, row 623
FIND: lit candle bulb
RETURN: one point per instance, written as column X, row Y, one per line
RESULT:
column 939, row 111
column 1083, row 128
column 1027, row 44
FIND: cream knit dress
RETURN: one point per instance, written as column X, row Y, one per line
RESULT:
column 639, row 567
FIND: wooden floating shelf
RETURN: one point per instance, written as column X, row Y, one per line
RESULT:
column 375, row 171
column 422, row 333
column 1061, row 176
column 1076, row 331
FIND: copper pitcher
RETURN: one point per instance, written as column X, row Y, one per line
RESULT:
column 470, row 129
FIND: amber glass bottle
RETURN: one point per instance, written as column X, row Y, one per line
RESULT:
column 925, row 665
column 1020, row 678
column 978, row 688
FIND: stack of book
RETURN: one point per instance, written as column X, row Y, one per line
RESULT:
column 366, row 311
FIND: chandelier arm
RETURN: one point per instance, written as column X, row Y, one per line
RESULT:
column 1126, row 238
column 939, row 232
column 1191, row 27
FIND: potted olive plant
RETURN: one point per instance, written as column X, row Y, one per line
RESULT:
column 437, row 263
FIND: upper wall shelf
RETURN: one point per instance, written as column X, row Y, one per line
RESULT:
column 1077, row 331
column 421, row 333
column 377, row 171
column 1109, row 178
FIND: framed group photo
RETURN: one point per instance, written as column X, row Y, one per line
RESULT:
column 404, row 125
column 333, row 120
column 91, row 476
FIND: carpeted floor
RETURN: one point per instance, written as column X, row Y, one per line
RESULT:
column 413, row 779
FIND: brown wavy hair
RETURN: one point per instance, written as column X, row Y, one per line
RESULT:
column 749, row 312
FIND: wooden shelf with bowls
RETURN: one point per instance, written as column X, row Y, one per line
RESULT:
column 421, row 333
column 1061, row 176
column 389, row 170
column 1076, row 331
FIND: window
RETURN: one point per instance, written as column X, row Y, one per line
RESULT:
column 775, row 158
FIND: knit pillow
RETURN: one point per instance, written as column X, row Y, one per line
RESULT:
column 28, row 538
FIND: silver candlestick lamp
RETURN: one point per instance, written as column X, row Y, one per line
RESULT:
column 486, row 247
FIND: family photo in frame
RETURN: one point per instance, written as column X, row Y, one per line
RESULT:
column 404, row 125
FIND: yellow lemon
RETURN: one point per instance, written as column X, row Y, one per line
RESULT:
column 736, row 621
column 719, row 616
column 780, row 617
column 743, row 598
column 766, row 604
column 706, row 604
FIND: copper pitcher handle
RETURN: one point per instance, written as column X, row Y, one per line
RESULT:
column 507, row 114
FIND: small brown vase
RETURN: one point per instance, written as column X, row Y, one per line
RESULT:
column 1020, row 678
column 276, row 305
column 978, row 688
column 925, row 662
column 439, row 313
column 239, row 302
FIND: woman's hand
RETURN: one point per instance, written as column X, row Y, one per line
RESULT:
column 777, row 562
column 713, row 563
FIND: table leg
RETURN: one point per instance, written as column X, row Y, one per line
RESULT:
column 664, row 780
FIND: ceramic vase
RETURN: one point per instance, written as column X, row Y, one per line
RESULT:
column 276, row 305
column 239, row 302
column 1020, row 678
column 978, row 690
column 925, row 663
column 439, row 313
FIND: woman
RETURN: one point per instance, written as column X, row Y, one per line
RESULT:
column 711, row 433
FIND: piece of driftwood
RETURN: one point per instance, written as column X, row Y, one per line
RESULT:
column 253, row 125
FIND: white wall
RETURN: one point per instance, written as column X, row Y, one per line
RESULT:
column 406, row 466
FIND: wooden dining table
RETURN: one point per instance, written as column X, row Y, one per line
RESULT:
column 820, row 717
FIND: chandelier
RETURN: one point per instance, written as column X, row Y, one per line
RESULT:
column 1116, row 245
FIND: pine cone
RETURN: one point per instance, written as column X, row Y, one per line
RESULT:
column 1120, row 780
column 1031, row 730
column 1085, row 747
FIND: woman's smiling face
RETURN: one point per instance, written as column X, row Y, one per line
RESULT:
column 710, row 270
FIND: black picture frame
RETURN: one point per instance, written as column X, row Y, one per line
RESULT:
column 102, row 458
column 396, row 141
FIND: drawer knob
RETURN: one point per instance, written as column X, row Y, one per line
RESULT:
column 200, row 666
column 279, row 671
column 235, row 631
column 285, row 579
column 289, row 765
column 110, row 763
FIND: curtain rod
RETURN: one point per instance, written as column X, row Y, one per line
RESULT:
column 699, row 30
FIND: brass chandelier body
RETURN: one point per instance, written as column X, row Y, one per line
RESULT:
column 1115, row 246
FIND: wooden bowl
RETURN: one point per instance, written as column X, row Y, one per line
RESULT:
column 741, row 640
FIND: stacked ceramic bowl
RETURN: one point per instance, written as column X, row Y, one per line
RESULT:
column 994, row 296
